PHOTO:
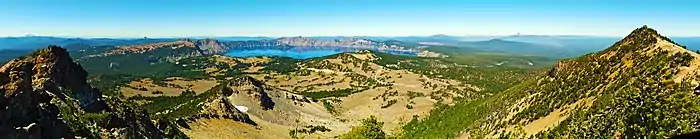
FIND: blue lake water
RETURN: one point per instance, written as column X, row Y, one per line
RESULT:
column 305, row 53
column 296, row 54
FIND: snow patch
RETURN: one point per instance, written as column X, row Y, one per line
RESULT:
column 241, row 108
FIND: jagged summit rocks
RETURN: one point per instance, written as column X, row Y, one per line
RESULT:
column 49, row 70
column 30, row 84
column 54, row 65
column 46, row 95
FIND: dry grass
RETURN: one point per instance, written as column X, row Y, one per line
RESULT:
column 556, row 116
column 361, row 105
column 229, row 129
column 543, row 123
column 226, row 60
column 364, row 56
column 276, row 123
column 198, row 86
column 685, row 72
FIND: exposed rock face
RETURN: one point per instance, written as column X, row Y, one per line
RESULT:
column 209, row 46
column 222, row 107
column 344, row 42
column 256, row 89
column 47, row 70
column 45, row 95
column 196, row 47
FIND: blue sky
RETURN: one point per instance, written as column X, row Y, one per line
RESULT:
column 177, row 18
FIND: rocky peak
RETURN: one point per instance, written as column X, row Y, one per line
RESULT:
column 222, row 107
column 643, row 33
column 45, row 95
column 208, row 41
column 639, row 72
column 48, row 70
column 238, row 89
column 253, row 88
column 643, row 39
column 207, row 46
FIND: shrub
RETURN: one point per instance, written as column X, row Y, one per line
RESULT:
column 371, row 128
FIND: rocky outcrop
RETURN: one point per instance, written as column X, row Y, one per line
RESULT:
column 209, row 46
column 46, row 70
column 45, row 95
column 28, row 87
column 222, row 107
column 255, row 89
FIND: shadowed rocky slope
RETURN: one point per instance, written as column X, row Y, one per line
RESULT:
column 45, row 95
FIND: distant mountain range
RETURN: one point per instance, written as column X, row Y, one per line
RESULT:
column 35, row 42
column 540, row 45
column 634, row 84
column 644, row 85
column 182, row 48
column 544, row 45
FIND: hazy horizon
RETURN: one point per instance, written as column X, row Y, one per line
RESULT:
column 384, row 18
column 171, row 37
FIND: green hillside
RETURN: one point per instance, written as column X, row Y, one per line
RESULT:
column 639, row 87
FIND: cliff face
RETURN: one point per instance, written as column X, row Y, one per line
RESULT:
column 197, row 47
column 253, row 88
column 223, row 106
column 32, row 86
column 345, row 42
column 45, row 95
column 53, row 71
column 209, row 46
